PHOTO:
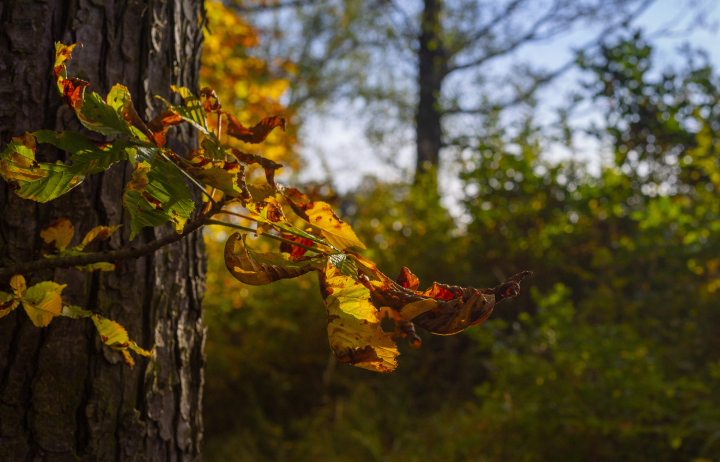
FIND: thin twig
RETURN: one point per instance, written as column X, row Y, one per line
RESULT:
column 271, row 236
column 237, row 215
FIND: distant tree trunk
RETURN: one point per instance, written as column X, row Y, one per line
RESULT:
column 432, row 69
column 63, row 395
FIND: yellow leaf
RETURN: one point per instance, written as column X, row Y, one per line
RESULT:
column 42, row 302
column 319, row 214
column 102, row 266
column 98, row 233
column 17, row 283
column 116, row 337
column 354, row 329
column 60, row 232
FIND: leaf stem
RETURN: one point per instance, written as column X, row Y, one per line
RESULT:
column 271, row 236
column 237, row 215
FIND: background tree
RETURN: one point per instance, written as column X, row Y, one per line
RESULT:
column 426, row 69
column 62, row 394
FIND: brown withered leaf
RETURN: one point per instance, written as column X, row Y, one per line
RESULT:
column 212, row 103
column 161, row 122
column 258, row 269
column 441, row 309
column 319, row 214
column 255, row 134
column 268, row 165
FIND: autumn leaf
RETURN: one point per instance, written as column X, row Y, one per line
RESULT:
column 268, row 165
column 17, row 284
column 226, row 176
column 319, row 214
column 58, row 234
column 42, row 302
column 255, row 134
column 74, row 312
column 116, row 337
column 120, row 100
column 155, row 195
column 263, row 268
column 97, row 234
column 294, row 250
column 44, row 182
column 441, row 309
column 270, row 212
column 354, row 330
column 8, row 302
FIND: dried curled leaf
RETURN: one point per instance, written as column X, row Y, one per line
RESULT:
column 268, row 165
column 255, row 134
column 441, row 309
column 263, row 268
column 116, row 337
column 319, row 214
column 354, row 330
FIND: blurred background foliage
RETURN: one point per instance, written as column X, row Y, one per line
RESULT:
column 611, row 352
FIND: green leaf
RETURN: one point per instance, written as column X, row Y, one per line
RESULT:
column 42, row 302
column 45, row 182
column 74, row 312
column 86, row 158
column 116, row 337
column 101, row 266
column 155, row 195
column 193, row 112
column 228, row 177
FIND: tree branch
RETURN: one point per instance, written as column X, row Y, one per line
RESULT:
column 113, row 256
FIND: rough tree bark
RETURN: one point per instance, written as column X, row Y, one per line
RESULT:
column 432, row 69
column 63, row 395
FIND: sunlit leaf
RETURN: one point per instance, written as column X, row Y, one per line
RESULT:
column 228, row 177
column 345, row 265
column 319, row 214
column 44, row 182
column 58, row 234
column 442, row 309
column 42, row 302
column 116, row 337
column 120, row 100
column 156, row 195
column 269, row 211
column 354, row 330
column 255, row 134
column 263, row 268
column 268, row 165
column 295, row 250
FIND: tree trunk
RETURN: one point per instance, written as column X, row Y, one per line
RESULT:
column 432, row 69
column 64, row 395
